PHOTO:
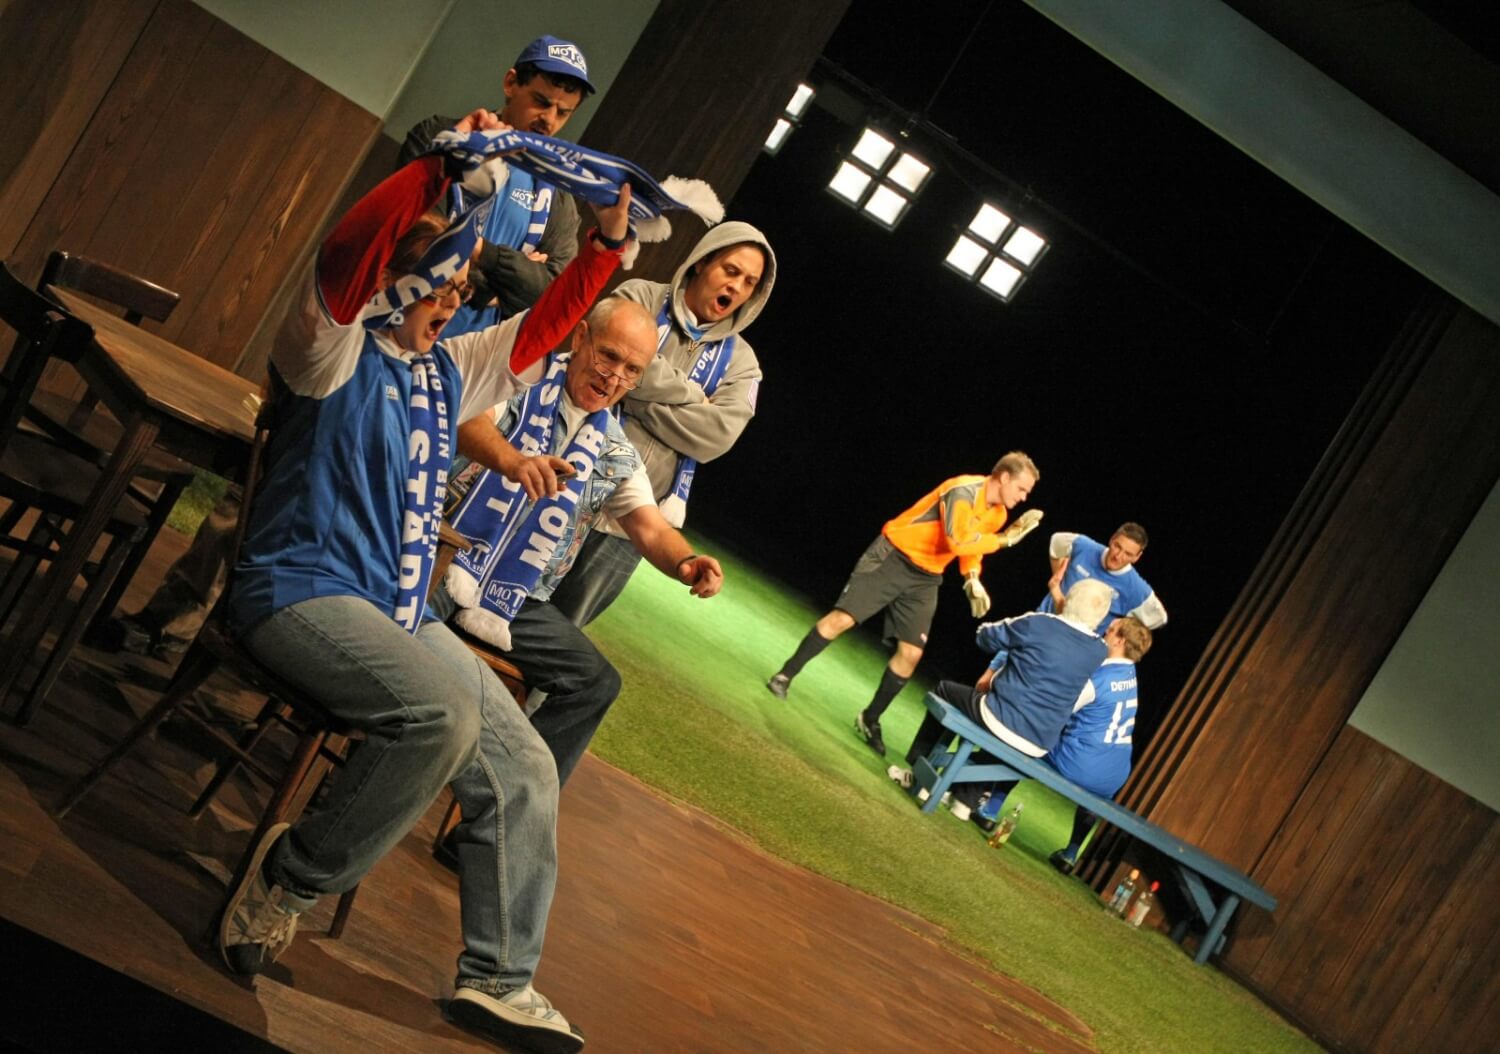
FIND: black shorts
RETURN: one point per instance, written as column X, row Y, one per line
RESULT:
column 884, row 578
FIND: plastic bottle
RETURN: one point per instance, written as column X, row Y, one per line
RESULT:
column 1123, row 892
column 1006, row 827
column 1142, row 906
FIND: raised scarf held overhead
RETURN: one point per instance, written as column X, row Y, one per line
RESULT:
column 512, row 542
column 708, row 370
column 591, row 175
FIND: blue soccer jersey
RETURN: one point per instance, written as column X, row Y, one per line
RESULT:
column 516, row 219
column 1133, row 596
column 1094, row 750
column 1042, row 662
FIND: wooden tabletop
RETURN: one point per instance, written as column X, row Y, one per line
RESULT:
column 169, row 379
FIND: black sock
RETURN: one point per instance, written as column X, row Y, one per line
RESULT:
column 1083, row 822
column 806, row 652
column 891, row 684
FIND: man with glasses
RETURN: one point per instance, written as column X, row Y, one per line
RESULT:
column 695, row 399
column 1075, row 557
column 544, row 469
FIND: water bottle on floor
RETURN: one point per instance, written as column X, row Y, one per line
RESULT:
column 1142, row 906
column 1006, row 827
column 1123, row 892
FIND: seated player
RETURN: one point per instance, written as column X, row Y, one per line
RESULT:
column 1094, row 749
column 1040, row 664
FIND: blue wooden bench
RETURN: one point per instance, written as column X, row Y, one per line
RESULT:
column 1212, row 887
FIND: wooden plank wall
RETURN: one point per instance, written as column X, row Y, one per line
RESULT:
column 156, row 137
column 1385, row 940
column 1372, row 858
column 699, row 94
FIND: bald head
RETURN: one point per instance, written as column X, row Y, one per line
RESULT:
column 611, row 349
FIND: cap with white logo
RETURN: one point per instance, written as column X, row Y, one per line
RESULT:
column 552, row 55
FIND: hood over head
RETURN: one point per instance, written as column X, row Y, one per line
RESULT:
column 722, row 236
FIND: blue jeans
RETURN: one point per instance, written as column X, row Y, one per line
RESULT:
column 599, row 574
column 432, row 714
column 572, row 684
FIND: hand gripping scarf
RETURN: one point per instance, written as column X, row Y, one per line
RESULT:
column 588, row 174
column 708, row 370
column 513, row 542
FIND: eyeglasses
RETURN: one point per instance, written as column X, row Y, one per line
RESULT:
column 623, row 373
column 447, row 289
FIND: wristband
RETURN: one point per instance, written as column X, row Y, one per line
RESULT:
column 612, row 244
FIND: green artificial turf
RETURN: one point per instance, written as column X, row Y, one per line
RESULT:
column 196, row 500
column 695, row 720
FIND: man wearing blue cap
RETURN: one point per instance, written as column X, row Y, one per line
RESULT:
column 532, row 232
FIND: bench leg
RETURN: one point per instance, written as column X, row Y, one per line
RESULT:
column 1214, row 938
column 946, row 777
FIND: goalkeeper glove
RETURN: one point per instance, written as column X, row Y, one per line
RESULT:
column 1024, row 525
column 979, row 599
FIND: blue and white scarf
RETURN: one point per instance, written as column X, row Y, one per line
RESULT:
column 512, row 542
column 588, row 174
column 708, row 370
column 429, row 453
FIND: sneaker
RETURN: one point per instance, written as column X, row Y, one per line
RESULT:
column 960, row 810
column 521, row 1016
column 1062, row 861
column 984, row 822
column 869, row 731
column 900, row 776
column 779, row 684
column 127, row 633
column 169, row 645
column 259, row 921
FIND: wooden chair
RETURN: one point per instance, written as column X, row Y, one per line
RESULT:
column 36, row 474
column 76, row 426
column 320, row 735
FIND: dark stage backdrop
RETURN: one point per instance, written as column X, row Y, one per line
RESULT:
column 1182, row 357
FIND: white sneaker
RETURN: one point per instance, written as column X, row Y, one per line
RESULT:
column 259, row 921
column 959, row 810
column 900, row 776
column 522, row 1016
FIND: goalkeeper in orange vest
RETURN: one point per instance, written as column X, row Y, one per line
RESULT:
column 901, row 571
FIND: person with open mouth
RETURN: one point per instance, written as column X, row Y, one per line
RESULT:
column 694, row 400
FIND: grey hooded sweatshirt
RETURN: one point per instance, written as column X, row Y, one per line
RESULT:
column 667, row 417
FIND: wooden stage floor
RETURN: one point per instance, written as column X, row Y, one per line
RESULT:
column 668, row 933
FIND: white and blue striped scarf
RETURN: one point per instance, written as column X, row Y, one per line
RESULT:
column 588, row 174
column 513, row 542
column 708, row 370
column 429, row 454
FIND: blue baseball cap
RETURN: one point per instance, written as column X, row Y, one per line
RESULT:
column 562, row 57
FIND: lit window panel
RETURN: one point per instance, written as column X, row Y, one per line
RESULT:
column 1001, row 278
column 989, row 223
column 887, row 205
column 1025, row 245
column 966, row 256
column 849, row 182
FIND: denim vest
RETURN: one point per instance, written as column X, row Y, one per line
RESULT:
column 617, row 461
